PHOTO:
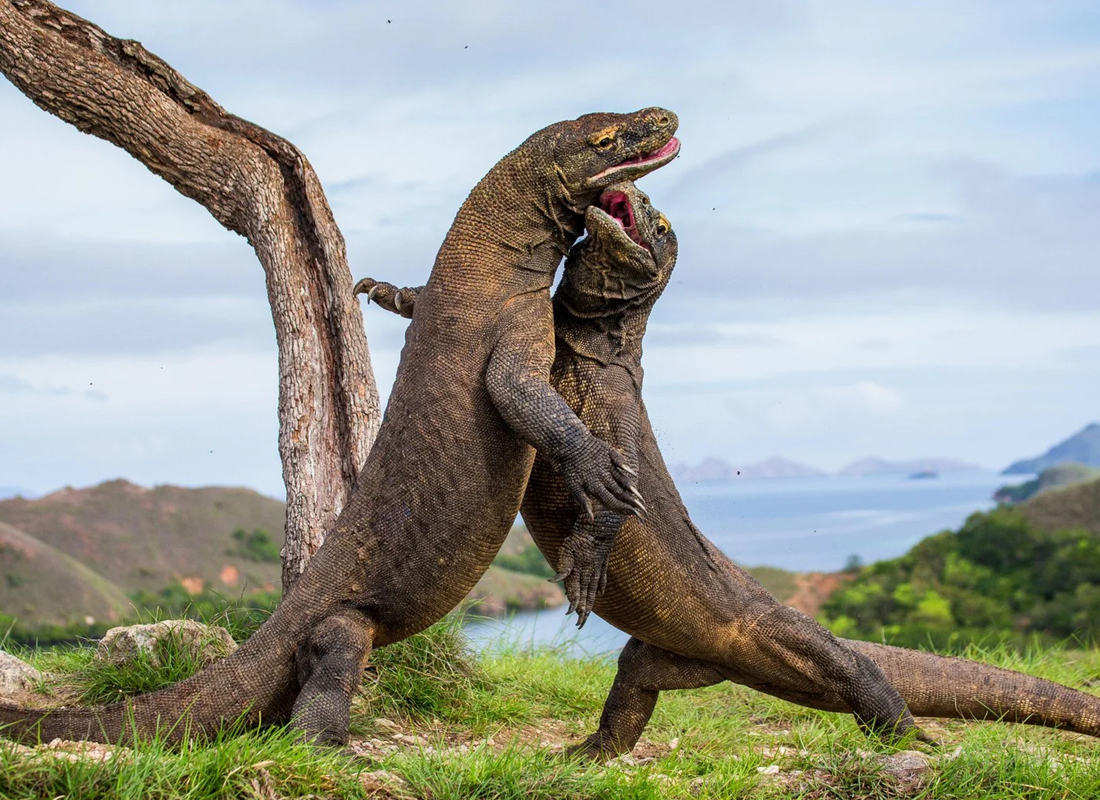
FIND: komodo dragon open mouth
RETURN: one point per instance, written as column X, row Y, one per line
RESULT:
column 618, row 206
column 647, row 161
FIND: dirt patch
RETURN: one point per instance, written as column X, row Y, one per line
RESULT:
column 814, row 588
column 551, row 736
column 62, row 750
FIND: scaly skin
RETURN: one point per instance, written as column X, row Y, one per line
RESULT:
column 696, row 618
column 444, row 480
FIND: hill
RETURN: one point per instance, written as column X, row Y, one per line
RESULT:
column 146, row 539
column 1017, row 570
column 1074, row 507
column 503, row 590
column 1083, row 448
column 117, row 543
column 42, row 586
column 806, row 591
column 874, row 465
column 14, row 491
column 1050, row 478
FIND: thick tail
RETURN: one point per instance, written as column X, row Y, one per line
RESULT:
column 942, row 686
column 255, row 683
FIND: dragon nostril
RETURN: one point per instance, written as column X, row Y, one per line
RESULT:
column 663, row 121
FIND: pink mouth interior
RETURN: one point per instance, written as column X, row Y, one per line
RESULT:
column 671, row 147
column 618, row 207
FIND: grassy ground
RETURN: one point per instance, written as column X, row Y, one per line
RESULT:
column 435, row 722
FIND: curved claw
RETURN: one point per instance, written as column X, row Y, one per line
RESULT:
column 397, row 302
column 561, row 576
column 373, row 290
column 633, row 473
column 361, row 286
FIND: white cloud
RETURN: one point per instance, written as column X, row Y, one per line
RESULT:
column 869, row 395
column 909, row 337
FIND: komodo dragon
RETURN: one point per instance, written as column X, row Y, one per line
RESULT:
column 695, row 617
column 443, row 482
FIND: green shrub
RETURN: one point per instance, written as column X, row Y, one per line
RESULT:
column 431, row 674
column 996, row 576
column 256, row 545
column 529, row 561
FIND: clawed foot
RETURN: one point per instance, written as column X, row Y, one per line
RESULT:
column 387, row 296
column 900, row 736
column 931, row 741
column 582, row 562
column 589, row 750
column 600, row 472
column 367, row 286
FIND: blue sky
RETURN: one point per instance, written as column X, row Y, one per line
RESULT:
column 888, row 216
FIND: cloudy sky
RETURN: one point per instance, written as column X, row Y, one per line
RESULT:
column 889, row 217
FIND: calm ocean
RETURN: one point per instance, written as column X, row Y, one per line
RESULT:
column 799, row 524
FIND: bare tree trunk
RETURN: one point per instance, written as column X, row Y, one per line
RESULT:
column 255, row 184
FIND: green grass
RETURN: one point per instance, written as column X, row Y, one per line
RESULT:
column 97, row 683
column 262, row 765
column 428, row 676
column 492, row 725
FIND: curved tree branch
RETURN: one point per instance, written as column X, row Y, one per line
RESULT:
column 254, row 183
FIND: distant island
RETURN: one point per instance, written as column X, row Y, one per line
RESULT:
column 923, row 474
column 1081, row 448
column 716, row 469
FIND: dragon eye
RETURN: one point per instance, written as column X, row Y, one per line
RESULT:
column 662, row 226
column 645, row 200
column 603, row 139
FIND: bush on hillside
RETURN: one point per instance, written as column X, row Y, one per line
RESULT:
column 997, row 576
column 528, row 561
column 257, row 545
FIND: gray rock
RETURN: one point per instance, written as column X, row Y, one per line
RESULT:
column 208, row 643
column 906, row 765
column 16, row 677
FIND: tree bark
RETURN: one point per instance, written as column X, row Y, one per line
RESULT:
column 255, row 184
